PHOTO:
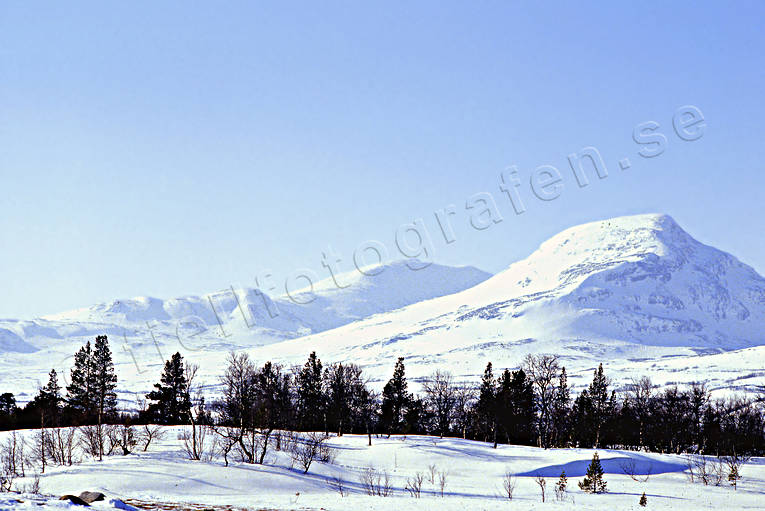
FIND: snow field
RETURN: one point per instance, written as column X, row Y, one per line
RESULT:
column 474, row 478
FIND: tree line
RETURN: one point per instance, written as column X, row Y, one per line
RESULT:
column 531, row 405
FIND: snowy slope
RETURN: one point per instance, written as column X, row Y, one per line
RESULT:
column 383, row 288
column 637, row 293
column 474, row 474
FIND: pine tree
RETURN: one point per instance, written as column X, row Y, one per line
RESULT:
column 46, row 405
column 561, row 486
column 50, row 397
column 80, row 392
column 171, row 399
column 310, row 395
column 593, row 482
column 395, row 400
column 104, row 385
column 104, row 379
column 643, row 500
column 52, row 388
column 91, row 393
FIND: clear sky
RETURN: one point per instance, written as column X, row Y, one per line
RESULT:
column 165, row 149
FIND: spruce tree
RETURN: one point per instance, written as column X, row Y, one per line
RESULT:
column 486, row 406
column 171, row 400
column 643, row 500
column 581, row 415
column 273, row 406
column 600, row 402
column 7, row 403
column 310, row 395
column 524, row 411
column 395, row 400
column 339, row 381
column 8, row 411
column 504, row 406
column 561, row 411
column 593, row 482
column 81, row 390
column 515, row 407
column 413, row 416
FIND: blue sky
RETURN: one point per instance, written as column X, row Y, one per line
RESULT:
column 176, row 148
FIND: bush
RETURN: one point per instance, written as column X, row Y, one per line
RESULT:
column 338, row 485
column 304, row 450
column 707, row 471
column 194, row 442
column 376, row 483
column 148, row 433
column 92, row 440
column 60, row 444
column 125, row 437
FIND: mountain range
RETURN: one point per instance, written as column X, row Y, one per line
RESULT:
column 637, row 293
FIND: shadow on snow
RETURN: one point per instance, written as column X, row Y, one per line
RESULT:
column 616, row 465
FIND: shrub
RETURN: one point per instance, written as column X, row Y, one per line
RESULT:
column 376, row 483
column 542, row 483
column 508, row 485
column 414, row 484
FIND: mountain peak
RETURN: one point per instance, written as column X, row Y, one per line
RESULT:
column 619, row 238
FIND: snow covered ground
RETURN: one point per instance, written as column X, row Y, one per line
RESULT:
column 474, row 478
column 28, row 501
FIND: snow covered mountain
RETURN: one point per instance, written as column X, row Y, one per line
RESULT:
column 637, row 292
column 144, row 329
column 639, row 278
